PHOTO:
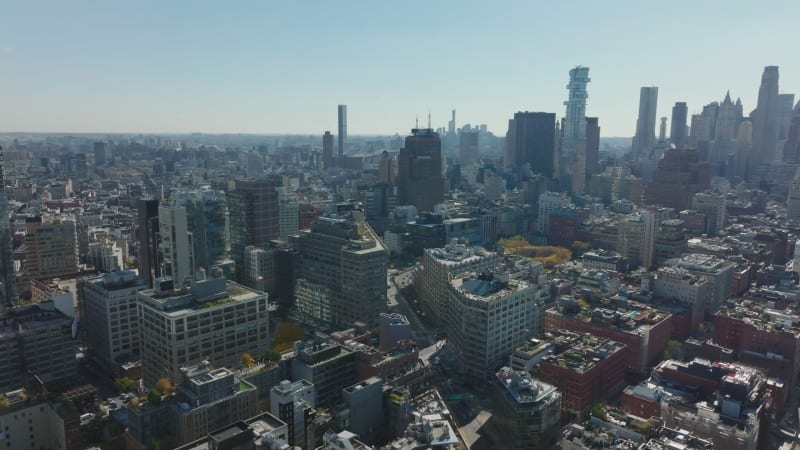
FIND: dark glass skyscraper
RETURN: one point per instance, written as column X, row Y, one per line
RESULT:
column 677, row 134
column 531, row 140
column 592, row 145
column 327, row 150
column 646, row 123
column 419, row 170
column 253, row 209
column 8, row 282
column 147, row 235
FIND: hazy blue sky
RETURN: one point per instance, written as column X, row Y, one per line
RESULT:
column 283, row 66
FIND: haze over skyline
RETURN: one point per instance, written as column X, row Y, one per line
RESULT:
column 258, row 67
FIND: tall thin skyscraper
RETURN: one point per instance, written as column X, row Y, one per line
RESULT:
column 419, row 170
column 574, row 136
column 8, row 282
column 147, row 237
column 327, row 150
column 342, row 130
column 766, row 124
column 592, row 145
column 645, row 137
column 677, row 134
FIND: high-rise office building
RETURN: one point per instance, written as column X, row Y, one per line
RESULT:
column 766, row 124
column 205, row 220
column 680, row 174
column 592, row 145
column 213, row 320
column 468, row 147
column 662, row 130
column 793, row 201
column 99, row 153
column 342, row 130
column 646, row 123
column 573, row 142
column 531, row 141
column 52, row 248
column 327, row 150
column 176, row 243
column 791, row 149
column 677, row 134
column 419, row 176
column 343, row 272
column 288, row 214
column 109, row 306
column 8, row 282
column 254, row 218
column 728, row 118
column 147, row 237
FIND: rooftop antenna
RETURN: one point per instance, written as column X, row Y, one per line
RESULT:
column 417, row 122
column 429, row 119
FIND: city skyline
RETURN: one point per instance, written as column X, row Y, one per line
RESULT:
column 122, row 68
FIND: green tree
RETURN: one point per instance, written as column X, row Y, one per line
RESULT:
column 272, row 356
column 154, row 445
column 124, row 384
column 673, row 349
column 154, row 397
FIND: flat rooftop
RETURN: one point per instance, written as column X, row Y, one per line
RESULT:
column 523, row 388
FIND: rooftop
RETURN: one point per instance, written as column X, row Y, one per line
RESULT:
column 580, row 352
column 523, row 388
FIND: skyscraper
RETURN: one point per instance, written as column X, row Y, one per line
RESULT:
column 765, row 120
column 592, row 145
column 662, row 130
column 727, row 120
column 8, row 282
column 677, row 134
column 574, row 136
column 254, row 217
column 205, row 220
column 419, row 170
column 468, row 148
column 531, row 141
column 147, row 237
column 327, row 150
column 99, row 153
column 646, row 123
column 343, row 273
column 176, row 243
column 342, row 130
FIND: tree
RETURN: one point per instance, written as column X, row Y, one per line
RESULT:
column 673, row 349
column 124, row 384
column 288, row 333
column 272, row 356
column 3, row 401
column 154, row 445
column 598, row 411
column 154, row 397
column 164, row 386
column 247, row 360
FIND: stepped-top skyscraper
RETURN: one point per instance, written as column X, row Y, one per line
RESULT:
column 8, row 282
column 574, row 137
column 342, row 130
column 419, row 170
column 766, row 123
column 646, row 123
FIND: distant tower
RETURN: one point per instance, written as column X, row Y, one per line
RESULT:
column 342, row 130
column 419, row 170
column 327, row 150
column 574, row 133
column 8, row 282
column 592, row 145
column 677, row 134
column 793, row 202
column 646, row 123
column 765, row 120
column 451, row 126
column 662, row 130
column 99, row 153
